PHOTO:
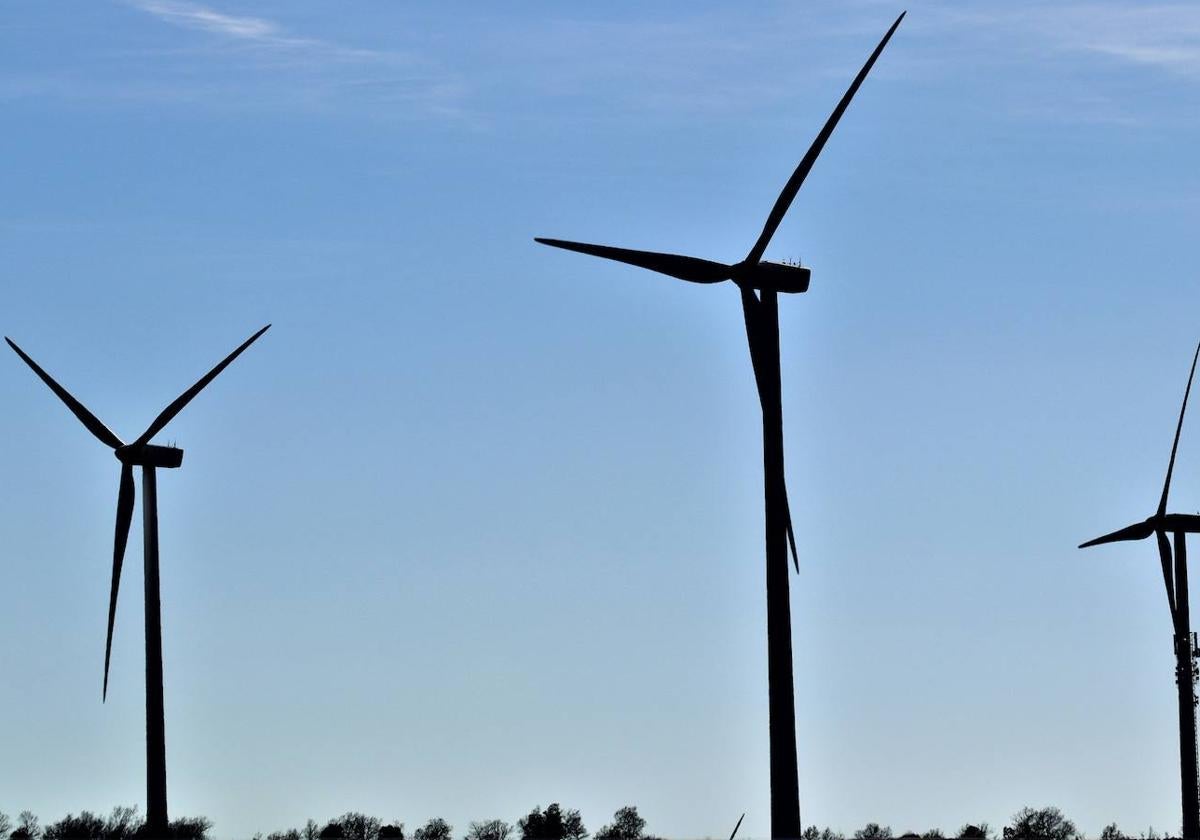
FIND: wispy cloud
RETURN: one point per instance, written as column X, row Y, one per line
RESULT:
column 251, row 30
column 199, row 17
column 233, row 60
column 1078, row 63
column 1164, row 35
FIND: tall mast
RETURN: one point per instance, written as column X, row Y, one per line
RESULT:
column 156, row 738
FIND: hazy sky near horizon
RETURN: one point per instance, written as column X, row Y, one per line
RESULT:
column 477, row 524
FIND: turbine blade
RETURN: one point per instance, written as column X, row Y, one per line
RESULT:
column 1181, row 580
column 93, row 424
column 692, row 269
column 736, row 827
column 168, row 413
column 124, row 515
column 752, row 315
column 810, row 157
column 791, row 535
column 1162, row 504
column 1134, row 532
column 1164, row 557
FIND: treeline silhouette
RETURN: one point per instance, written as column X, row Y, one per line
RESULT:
column 552, row 823
column 124, row 823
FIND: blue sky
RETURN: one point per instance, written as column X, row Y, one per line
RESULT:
column 477, row 524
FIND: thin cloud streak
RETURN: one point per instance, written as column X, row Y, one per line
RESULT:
column 262, row 64
column 254, row 31
column 1165, row 36
column 199, row 17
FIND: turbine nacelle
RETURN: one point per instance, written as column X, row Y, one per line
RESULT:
column 150, row 455
column 766, row 276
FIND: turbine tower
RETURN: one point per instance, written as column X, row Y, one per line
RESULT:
column 148, row 456
column 1175, row 578
column 761, row 313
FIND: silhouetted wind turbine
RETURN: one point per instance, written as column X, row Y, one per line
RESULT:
column 761, row 314
column 1176, row 582
column 148, row 456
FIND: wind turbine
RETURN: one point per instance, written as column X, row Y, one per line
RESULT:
column 761, row 313
column 1175, row 578
column 148, row 456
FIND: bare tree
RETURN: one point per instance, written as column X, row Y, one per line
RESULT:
column 974, row 832
column 873, row 831
column 190, row 828
column 552, row 824
column 87, row 826
column 1042, row 823
column 573, row 826
column 627, row 824
column 28, row 827
column 436, row 829
column 123, row 823
column 356, row 826
column 813, row 833
column 489, row 830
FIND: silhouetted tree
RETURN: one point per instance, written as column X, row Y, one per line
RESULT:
column 392, row 831
column 332, row 831
column 189, row 828
column 123, row 823
column 311, row 830
column 552, row 824
column 436, row 829
column 28, row 827
column 1041, row 823
column 974, row 832
column 290, row 834
column 873, row 831
column 5, row 824
column 489, row 830
column 933, row 834
column 356, row 826
column 813, row 833
column 627, row 824
column 1111, row 832
column 573, row 826
column 87, row 826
